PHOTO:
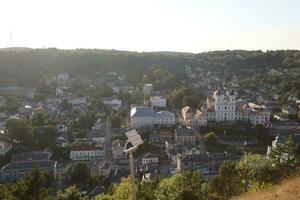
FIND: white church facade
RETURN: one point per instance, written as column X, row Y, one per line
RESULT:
column 224, row 108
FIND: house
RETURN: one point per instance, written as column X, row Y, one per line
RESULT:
column 61, row 141
column 289, row 110
column 148, row 88
column 296, row 140
column 166, row 136
column 184, row 135
column 23, row 163
column 2, row 101
column 112, row 102
column 154, row 137
column 285, row 125
column 149, row 158
column 142, row 116
column 86, row 153
column 99, row 125
column 64, row 77
column 61, row 128
column 118, row 149
column 158, row 101
column 5, row 146
column 194, row 162
column 105, row 169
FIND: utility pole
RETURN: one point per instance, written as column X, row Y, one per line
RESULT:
column 132, row 175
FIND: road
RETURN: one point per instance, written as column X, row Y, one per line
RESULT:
column 108, row 143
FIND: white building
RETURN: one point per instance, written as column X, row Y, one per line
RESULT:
column 224, row 108
column 86, row 153
column 148, row 88
column 158, row 101
column 142, row 116
column 149, row 158
column 112, row 102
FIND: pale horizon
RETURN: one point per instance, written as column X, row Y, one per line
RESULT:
column 144, row 26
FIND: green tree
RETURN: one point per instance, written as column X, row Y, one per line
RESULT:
column 81, row 174
column 38, row 119
column 65, row 105
column 180, row 187
column 70, row 193
column 210, row 139
column 228, row 182
column 12, row 104
column 282, row 156
column 18, row 131
column 34, row 186
column 256, row 171
column 45, row 136
column 190, row 100
column 115, row 121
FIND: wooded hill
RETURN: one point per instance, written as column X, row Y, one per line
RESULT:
column 23, row 66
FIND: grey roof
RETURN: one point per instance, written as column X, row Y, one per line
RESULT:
column 198, row 157
column 95, row 133
column 142, row 112
column 149, row 155
column 29, row 165
column 184, row 131
column 109, row 98
column 31, row 156
column 165, row 114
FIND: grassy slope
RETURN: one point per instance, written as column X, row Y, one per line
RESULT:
column 287, row 190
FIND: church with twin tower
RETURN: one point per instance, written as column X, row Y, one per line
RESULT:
column 223, row 107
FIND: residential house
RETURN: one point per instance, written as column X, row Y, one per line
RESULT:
column 166, row 136
column 296, row 140
column 86, row 153
column 105, row 169
column 149, row 158
column 158, row 101
column 61, row 128
column 99, row 125
column 112, row 102
column 5, row 146
column 23, row 163
column 184, row 135
column 148, row 88
column 118, row 149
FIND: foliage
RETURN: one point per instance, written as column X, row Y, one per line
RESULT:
column 44, row 136
column 115, row 121
column 210, row 139
column 80, row 174
column 34, row 186
column 227, row 183
column 65, row 105
column 18, row 131
column 282, row 156
column 190, row 100
column 70, row 193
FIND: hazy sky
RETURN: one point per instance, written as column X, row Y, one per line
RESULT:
column 153, row 25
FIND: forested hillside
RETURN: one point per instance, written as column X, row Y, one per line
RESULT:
column 26, row 66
